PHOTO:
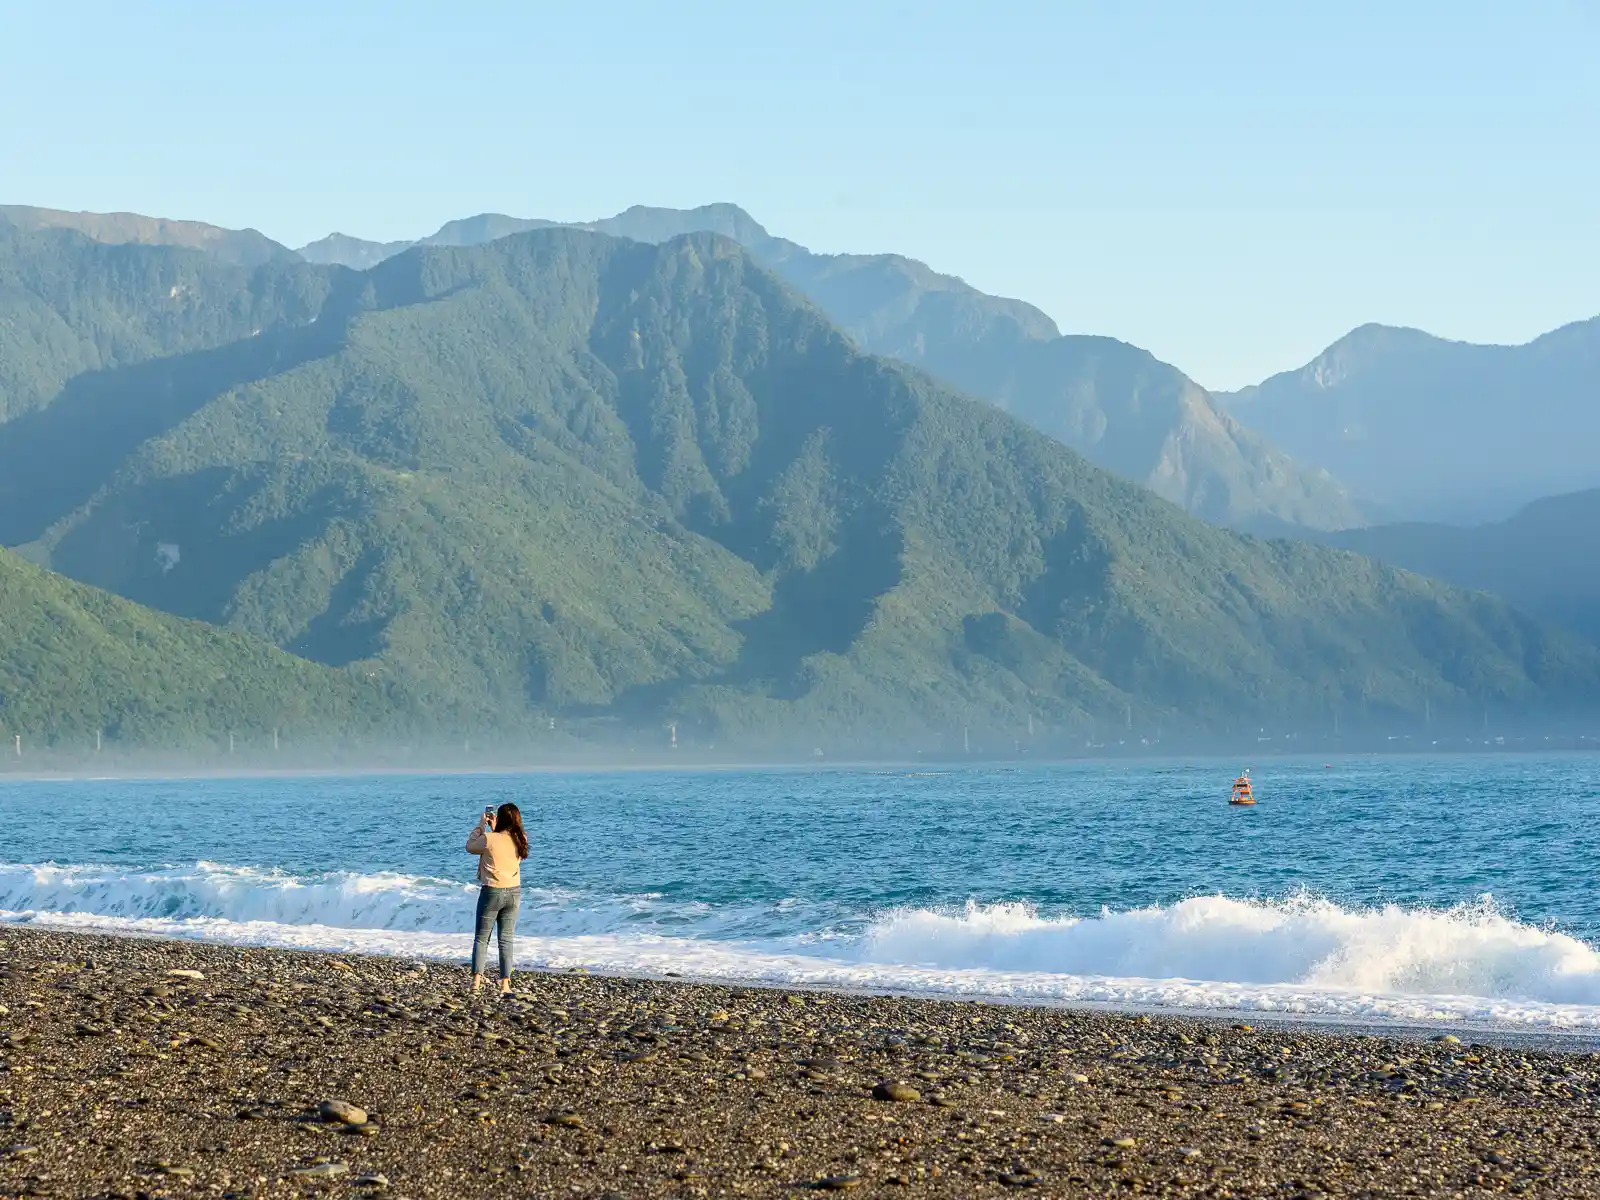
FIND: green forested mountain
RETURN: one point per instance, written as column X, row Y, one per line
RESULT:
column 1442, row 430
column 1545, row 559
column 1114, row 402
column 243, row 247
column 566, row 473
column 71, row 307
column 75, row 661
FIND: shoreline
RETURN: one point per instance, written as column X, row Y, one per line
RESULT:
column 1542, row 1037
column 134, row 1065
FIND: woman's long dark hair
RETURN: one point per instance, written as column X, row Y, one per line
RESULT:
column 508, row 819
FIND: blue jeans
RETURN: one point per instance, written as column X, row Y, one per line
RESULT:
column 496, row 906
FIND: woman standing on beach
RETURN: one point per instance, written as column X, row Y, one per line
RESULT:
column 501, row 845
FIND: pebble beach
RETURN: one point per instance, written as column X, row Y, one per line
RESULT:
column 143, row 1068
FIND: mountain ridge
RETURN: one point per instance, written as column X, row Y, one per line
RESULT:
column 1424, row 424
column 562, row 473
column 75, row 305
column 342, row 250
column 244, row 247
column 1012, row 354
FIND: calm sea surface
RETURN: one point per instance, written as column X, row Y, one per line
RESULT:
column 1407, row 889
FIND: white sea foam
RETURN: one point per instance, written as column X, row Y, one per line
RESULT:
column 1303, row 956
column 1469, row 950
column 385, row 900
column 347, row 900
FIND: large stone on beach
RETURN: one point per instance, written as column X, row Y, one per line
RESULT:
column 895, row 1091
column 341, row 1112
column 837, row 1183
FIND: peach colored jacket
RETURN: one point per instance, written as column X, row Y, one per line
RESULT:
column 498, row 864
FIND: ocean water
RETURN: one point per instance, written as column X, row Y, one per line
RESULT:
column 1407, row 890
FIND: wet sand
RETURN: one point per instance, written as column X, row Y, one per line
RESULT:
column 141, row 1068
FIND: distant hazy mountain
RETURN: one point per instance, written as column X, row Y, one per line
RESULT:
column 1147, row 421
column 243, row 246
column 1545, row 559
column 1439, row 429
column 339, row 249
column 564, row 473
column 1114, row 402
column 640, row 223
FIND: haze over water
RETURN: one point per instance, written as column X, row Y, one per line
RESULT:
column 1406, row 889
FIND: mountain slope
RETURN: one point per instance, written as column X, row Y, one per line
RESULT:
column 75, row 662
column 242, row 247
column 72, row 306
column 1116, row 403
column 1545, row 559
column 1147, row 421
column 1440, row 429
column 561, row 472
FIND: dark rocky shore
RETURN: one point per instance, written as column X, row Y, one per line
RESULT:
column 143, row 1068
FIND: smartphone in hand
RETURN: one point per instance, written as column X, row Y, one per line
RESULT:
column 488, row 816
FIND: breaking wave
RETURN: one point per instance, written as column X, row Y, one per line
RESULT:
column 1471, row 963
column 1469, row 950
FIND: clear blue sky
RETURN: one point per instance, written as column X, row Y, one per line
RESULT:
column 1231, row 185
